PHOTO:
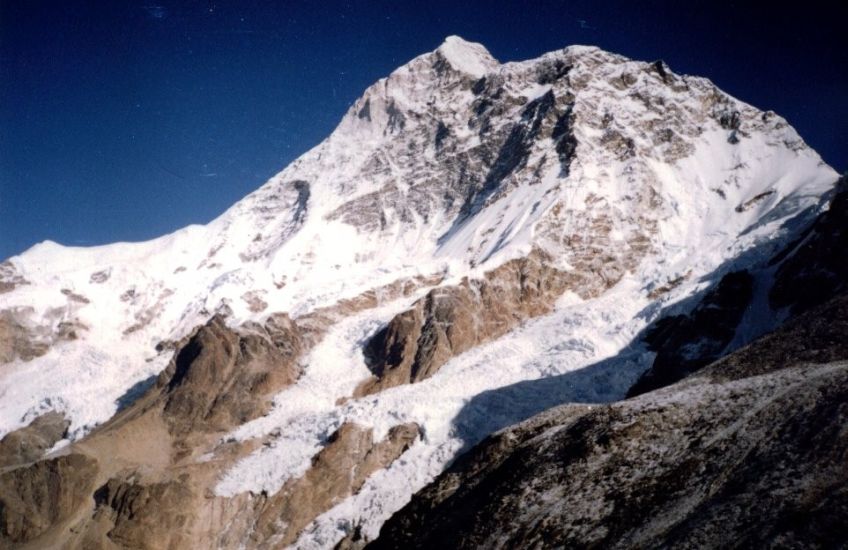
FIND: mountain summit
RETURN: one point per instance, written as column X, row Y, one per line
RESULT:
column 467, row 57
column 295, row 370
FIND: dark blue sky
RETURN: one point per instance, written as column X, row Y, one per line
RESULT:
column 124, row 120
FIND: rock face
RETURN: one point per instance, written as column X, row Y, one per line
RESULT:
column 221, row 378
column 815, row 268
column 144, row 516
column 36, row 497
column 749, row 450
column 9, row 277
column 151, row 493
column 21, row 339
column 452, row 319
column 16, row 340
column 30, row 443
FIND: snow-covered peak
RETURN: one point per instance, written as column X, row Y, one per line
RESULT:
column 467, row 57
column 450, row 166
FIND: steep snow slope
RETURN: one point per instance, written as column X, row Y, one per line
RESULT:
column 622, row 173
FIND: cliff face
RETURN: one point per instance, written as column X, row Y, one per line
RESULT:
column 37, row 497
column 475, row 243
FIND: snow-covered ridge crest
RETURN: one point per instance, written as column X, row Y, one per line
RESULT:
column 468, row 57
column 453, row 164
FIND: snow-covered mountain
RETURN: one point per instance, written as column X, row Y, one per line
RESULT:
column 468, row 226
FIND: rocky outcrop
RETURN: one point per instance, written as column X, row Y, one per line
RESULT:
column 815, row 267
column 685, row 343
column 136, row 515
column 44, row 494
column 292, row 198
column 751, row 449
column 10, row 279
column 30, row 443
column 314, row 324
column 578, row 170
column 452, row 319
column 339, row 470
column 24, row 339
column 816, row 337
column 17, row 340
column 153, row 496
column 222, row 378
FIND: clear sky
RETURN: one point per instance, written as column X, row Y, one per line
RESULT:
column 125, row 120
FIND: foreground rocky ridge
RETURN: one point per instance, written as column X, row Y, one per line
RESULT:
column 751, row 450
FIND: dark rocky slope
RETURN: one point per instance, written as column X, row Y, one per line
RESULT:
column 815, row 268
column 503, row 187
column 804, row 274
column 686, row 343
column 749, row 451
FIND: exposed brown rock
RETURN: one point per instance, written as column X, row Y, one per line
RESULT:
column 74, row 297
column 667, row 287
column 99, row 277
column 10, row 279
column 30, row 443
column 36, row 497
column 69, row 330
column 154, row 493
column 810, row 271
column 754, row 200
column 146, row 315
column 453, row 319
column 23, row 338
column 222, row 378
column 157, row 515
column 338, row 471
column 354, row 540
column 254, row 301
column 315, row 323
column 815, row 337
column 584, row 237
column 17, row 339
